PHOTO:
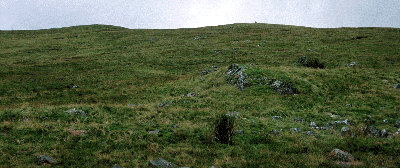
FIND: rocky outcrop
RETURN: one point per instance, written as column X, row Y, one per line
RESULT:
column 237, row 77
column 341, row 158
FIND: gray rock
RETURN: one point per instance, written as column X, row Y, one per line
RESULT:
column 340, row 155
column 398, row 123
column 161, row 163
column 374, row 131
column 327, row 126
column 234, row 114
column 303, row 61
column 310, row 133
column 116, row 166
column 297, row 119
column 284, row 88
column 44, row 159
column 294, row 130
column 240, row 132
column 163, row 104
column 385, row 134
column 353, row 63
column 175, row 126
column 237, row 77
column 396, row 86
column 313, row 125
column 206, row 72
column 276, row 117
column 345, row 131
column 154, row 132
column 275, row 132
column 349, row 105
column 76, row 112
column 346, row 121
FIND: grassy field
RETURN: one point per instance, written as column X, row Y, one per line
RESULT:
column 121, row 77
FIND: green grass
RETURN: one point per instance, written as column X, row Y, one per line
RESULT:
column 120, row 77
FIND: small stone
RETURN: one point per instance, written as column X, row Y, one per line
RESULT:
column 175, row 126
column 349, row 105
column 42, row 159
column 76, row 112
column 276, row 117
column 293, row 130
column 163, row 104
column 310, row 133
column 116, row 166
column 398, row 123
column 234, row 114
column 240, row 132
column 374, row 131
column 154, row 132
column 345, row 131
column 312, row 124
column 353, row 63
column 275, row 132
column 297, row 119
column 161, row 163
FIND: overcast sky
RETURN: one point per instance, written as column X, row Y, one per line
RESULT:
column 173, row 14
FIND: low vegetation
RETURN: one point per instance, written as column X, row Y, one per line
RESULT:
column 140, row 95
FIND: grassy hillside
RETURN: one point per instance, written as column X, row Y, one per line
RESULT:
column 121, row 77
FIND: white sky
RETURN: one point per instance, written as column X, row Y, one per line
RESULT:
column 173, row 14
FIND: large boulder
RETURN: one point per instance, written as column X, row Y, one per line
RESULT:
column 237, row 77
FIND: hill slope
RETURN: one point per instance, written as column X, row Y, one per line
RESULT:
column 130, row 82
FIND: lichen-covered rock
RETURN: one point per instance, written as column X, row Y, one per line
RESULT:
column 284, row 88
column 161, row 163
column 43, row 159
column 76, row 112
column 237, row 77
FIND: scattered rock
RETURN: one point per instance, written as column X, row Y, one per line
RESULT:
column 313, row 125
column 276, row 117
column 154, row 132
column 206, row 72
column 398, row 123
column 275, row 132
column 297, row 119
column 77, row 132
column 310, row 133
column 234, row 114
column 175, row 126
column 342, row 158
column 349, row 105
column 374, row 131
column 190, row 95
column 240, row 132
column 161, row 163
column 42, row 159
column 163, row 104
column 116, row 166
column 294, row 130
column 345, row 131
column 76, row 112
column 353, row 63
